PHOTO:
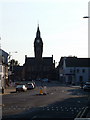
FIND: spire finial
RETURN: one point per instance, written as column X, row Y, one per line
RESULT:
column 38, row 23
column 38, row 31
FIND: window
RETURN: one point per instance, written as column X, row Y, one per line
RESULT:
column 83, row 70
column 70, row 70
column 77, row 70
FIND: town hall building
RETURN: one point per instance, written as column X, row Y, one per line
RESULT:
column 39, row 67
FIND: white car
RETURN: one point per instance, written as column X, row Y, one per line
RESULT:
column 30, row 86
column 21, row 88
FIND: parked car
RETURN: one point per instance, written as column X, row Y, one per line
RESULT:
column 45, row 80
column 86, row 87
column 21, row 88
column 30, row 86
column 38, row 79
column 34, row 83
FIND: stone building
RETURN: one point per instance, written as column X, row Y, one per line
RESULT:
column 39, row 67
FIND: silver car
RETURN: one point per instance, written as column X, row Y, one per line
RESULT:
column 21, row 88
column 86, row 87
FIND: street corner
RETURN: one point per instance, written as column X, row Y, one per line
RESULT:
column 8, row 91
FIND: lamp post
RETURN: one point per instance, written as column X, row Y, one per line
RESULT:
column 88, row 43
column 88, row 56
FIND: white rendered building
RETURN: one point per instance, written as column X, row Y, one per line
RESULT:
column 73, row 70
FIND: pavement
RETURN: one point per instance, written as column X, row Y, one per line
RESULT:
column 8, row 90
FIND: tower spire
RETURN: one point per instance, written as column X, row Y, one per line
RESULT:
column 38, row 45
column 38, row 32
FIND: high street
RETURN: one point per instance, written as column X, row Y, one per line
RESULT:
column 61, row 101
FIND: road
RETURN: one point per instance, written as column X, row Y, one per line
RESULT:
column 61, row 101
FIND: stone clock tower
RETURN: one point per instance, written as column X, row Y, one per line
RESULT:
column 39, row 67
column 38, row 45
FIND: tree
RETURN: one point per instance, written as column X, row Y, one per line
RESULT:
column 13, row 63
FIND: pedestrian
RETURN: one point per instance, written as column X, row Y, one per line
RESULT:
column 2, row 90
column 44, row 90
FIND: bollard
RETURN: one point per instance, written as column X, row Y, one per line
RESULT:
column 41, row 91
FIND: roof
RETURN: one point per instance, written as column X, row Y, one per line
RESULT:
column 17, row 68
column 30, row 60
column 3, row 57
column 76, row 62
column 45, row 60
column 3, row 53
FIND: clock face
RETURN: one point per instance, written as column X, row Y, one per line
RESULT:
column 38, row 41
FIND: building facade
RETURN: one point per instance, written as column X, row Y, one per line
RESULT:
column 73, row 70
column 39, row 67
column 3, row 68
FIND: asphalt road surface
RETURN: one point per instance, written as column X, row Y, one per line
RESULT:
column 61, row 101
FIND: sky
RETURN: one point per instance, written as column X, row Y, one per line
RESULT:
column 63, row 29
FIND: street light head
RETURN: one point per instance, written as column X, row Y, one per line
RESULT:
column 86, row 17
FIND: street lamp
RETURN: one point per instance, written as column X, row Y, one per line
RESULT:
column 88, row 42
column 88, row 56
column 86, row 17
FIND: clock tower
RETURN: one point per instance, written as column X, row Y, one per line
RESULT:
column 38, row 45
